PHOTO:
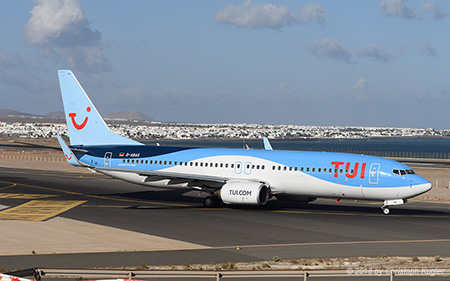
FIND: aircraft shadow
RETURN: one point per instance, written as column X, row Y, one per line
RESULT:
column 320, row 206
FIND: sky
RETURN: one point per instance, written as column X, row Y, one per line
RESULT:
column 381, row 63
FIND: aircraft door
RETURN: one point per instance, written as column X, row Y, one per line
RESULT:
column 108, row 156
column 374, row 173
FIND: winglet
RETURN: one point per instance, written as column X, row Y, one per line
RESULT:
column 267, row 145
column 70, row 156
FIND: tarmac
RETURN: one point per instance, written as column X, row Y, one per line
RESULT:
column 61, row 216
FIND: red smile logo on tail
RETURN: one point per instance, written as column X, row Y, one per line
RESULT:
column 73, row 115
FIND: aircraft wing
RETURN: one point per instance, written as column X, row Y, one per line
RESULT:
column 199, row 181
column 168, row 175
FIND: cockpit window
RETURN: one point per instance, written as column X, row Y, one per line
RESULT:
column 402, row 172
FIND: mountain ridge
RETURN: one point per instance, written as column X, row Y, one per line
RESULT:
column 131, row 115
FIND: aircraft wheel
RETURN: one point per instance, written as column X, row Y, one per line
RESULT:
column 211, row 202
column 386, row 211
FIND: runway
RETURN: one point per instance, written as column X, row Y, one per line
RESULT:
column 163, row 227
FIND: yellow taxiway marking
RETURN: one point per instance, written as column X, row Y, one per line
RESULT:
column 99, row 196
column 39, row 210
column 360, row 214
column 25, row 196
column 334, row 243
column 9, row 186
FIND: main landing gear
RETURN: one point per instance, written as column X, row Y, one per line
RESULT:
column 212, row 202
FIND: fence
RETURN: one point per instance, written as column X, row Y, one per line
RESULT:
column 396, row 154
column 27, row 155
column 383, row 274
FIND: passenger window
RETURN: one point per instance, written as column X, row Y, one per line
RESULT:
column 285, row 168
column 175, row 163
column 132, row 161
column 232, row 166
column 279, row 168
column 226, row 165
column 217, row 165
column 146, row 162
column 170, row 162
column 221, row 165
column 290, row 168
column 273, row 167
column 262, row 167
column 301, row 169
column 295, row 169
column 319, row 170
column 257, row 167
column 313, row 169
column 165, row 162
column 307, row 169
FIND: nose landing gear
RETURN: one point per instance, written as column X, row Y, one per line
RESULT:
column 387, row 203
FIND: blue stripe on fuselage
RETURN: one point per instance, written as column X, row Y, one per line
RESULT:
column 288, row 159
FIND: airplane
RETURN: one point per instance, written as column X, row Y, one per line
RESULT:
column 231, row 176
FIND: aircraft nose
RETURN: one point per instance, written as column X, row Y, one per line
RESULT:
column 421, row 185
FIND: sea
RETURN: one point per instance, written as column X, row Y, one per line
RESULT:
column 438, row 148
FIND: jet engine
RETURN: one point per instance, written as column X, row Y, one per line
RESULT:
column 245, row 193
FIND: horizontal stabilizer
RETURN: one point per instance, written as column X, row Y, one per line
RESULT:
column 70, row 156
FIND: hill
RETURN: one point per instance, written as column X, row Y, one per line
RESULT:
column 132, row 115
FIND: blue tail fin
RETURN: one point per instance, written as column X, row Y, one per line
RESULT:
column 85, row 125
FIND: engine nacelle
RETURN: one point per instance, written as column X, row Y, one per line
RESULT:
column 245, row 193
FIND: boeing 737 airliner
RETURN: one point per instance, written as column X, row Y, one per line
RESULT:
column 231, row 176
